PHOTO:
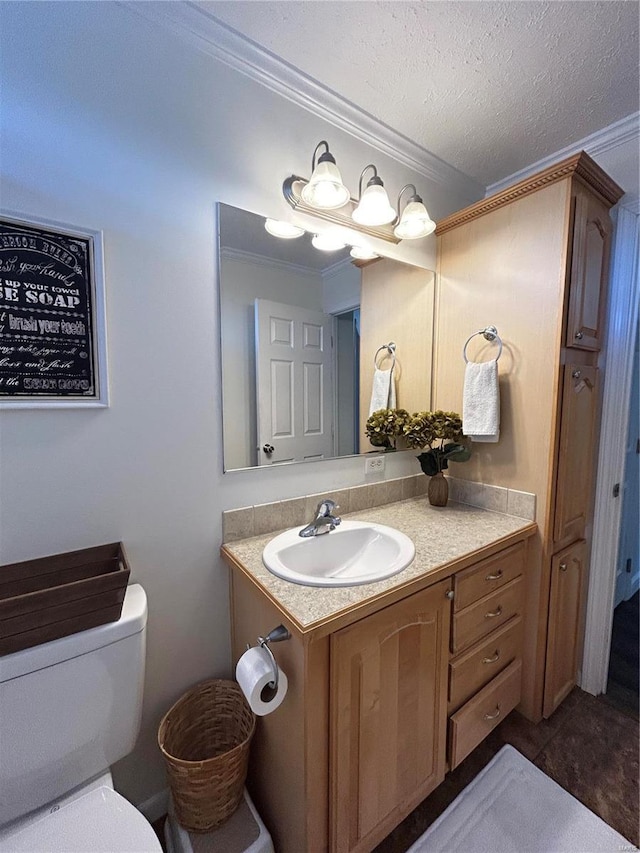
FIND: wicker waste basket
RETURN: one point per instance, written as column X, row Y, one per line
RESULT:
column 205, row 739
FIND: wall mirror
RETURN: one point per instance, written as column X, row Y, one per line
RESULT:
column 301, row 337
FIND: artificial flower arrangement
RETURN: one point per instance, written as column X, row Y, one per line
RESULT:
column 438, row 431
column 385, row 426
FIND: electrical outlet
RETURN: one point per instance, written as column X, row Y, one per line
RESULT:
column 374, row 465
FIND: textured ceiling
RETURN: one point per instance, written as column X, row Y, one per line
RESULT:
column 489, row 87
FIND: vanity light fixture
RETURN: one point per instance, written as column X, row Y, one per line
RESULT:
column 327, row 242
column 326, row 197
column 374, row 207
column 362, row 254
column 283, row 230
column 325, row 188
column 415, row 221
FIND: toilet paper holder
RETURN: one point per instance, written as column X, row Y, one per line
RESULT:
column 277, row 635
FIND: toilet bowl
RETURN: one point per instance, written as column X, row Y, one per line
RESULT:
column 100, row 821
column 69, row 709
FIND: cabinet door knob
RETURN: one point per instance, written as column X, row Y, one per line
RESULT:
column 493, row 613
column 268, row 449
column 492, row 659
column 449, row 594
column 576, row 374
column 578, row 336
column 495, row 714
column 563, row 567
column 495, row 577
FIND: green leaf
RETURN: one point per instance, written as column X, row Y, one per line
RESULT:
column 457, row 452
column 428, row 463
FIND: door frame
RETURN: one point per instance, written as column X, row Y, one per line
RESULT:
column 621, row 330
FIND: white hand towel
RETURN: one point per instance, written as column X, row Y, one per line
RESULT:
column 481, row 401
column 383, row 392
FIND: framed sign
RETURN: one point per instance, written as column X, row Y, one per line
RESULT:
column 52, row 315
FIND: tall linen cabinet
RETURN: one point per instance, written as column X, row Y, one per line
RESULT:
column 533, row 261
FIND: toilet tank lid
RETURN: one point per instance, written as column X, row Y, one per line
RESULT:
column 132, row 621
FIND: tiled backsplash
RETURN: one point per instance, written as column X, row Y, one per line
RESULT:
column 496, row 498
column 280, row 515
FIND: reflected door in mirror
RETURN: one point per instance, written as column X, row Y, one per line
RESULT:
column 294, row 383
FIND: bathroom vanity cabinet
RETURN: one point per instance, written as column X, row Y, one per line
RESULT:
column 566, row 621
column 533, row 260
column 387, row 716
column 384, row 696
column 486, row 644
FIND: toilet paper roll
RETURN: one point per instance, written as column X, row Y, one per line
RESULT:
column 254, row 673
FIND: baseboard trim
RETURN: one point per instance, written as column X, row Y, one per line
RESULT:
column 156, row 806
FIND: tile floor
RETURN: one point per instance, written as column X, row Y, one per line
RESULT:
column 587, row 746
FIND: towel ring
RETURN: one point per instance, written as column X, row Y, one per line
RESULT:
column 391, row 350
column 490, row 333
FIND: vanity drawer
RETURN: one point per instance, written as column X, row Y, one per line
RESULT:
column 473, row 722
column 479, row 619
column 477, row 666
column 485, row 577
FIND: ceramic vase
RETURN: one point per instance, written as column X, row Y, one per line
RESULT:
column 438, row 491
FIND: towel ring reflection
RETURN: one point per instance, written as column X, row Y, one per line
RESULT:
column 490, row 333
column 391, row 351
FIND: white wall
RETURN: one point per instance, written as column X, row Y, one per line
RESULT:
column 244, row 280
column 112, row 124
column 340, row 288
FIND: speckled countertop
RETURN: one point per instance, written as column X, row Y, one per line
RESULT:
column 446, row 540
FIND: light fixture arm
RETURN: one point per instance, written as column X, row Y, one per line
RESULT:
column 323, row 157
column 414, row 197
column 374, row 179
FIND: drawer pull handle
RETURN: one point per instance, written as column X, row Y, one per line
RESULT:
column 492, row 613
column 492, row 659
column 495, row 577
column 493, row 716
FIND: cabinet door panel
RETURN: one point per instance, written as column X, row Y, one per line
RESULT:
column 388, row 716
column 589, row 268
column 564, row 636
column 576, row 453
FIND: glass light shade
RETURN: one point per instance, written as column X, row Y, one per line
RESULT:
column 374, row 207
column 327, row 243
column 325, row 188
column 415, row 222
column 283, row 230
column 362, row 254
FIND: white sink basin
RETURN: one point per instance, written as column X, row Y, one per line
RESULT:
column 355, row 552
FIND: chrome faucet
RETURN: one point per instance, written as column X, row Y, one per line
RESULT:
column 324, row 522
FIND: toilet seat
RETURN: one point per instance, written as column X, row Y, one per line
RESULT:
column 101, row 821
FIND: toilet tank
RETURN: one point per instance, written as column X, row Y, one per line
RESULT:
column 70, row 708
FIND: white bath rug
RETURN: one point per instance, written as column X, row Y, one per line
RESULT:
column 513, row 807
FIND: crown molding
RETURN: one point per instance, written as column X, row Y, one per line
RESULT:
column 581, row 165
column 618, row 133
column 202, row 30
column 262, row 260
column 337, row 267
